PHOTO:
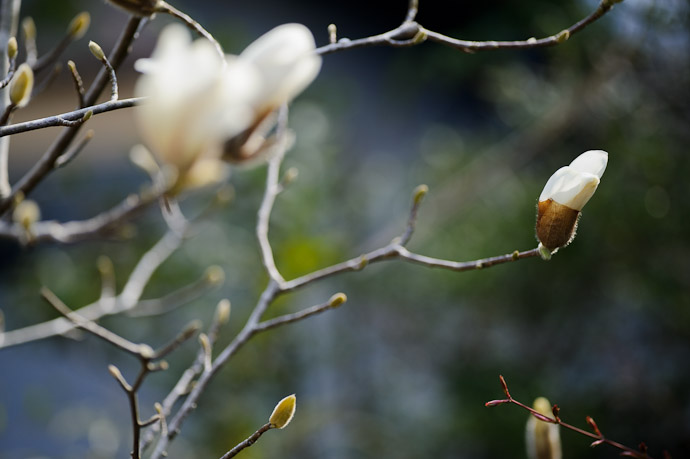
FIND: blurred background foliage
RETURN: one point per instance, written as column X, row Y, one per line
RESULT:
column 405, row 367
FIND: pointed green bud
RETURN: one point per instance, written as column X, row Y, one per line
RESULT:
column 337, row 299
column 12, row 48
column 419, row 193
column 87, row 116
column 562, row 36
column 21, row 85
column 79, row 25
column 96, row 50
column 283, row 412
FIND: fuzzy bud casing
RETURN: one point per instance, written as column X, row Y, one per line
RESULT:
column 543, row 439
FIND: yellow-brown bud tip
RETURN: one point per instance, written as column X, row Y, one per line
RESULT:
column 283, row 412
column 79, row 25
column 21, row 85
column 419, row 193
column 337, row 299
column 96, row 50
column 12, row 48
column 105, row 266
column 87, row 116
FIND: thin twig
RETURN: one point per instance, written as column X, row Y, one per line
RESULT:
column 295, row 317
column 75, row 115
column 248, row 442
column 47, row 162
column 126, row 300
column 597, row 436
column 90, row 326
column 410, row 33
column 78, row 82
column 164, row 7
column 72, row 153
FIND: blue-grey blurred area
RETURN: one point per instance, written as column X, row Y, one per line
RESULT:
column 403, row 369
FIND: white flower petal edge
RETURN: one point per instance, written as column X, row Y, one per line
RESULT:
column 287, row 62
column 574, row 185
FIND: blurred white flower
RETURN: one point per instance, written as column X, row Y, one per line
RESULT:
column 198, row 104
column 543, row 440
column 564, row 196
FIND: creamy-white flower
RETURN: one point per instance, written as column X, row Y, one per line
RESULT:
column 543, row 439
column 564, row 196
column 199, row 104
column 575, row 184
column 285, row 58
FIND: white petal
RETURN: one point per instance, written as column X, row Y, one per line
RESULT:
column 286, row 60
column 591, row 162
column 570, row 187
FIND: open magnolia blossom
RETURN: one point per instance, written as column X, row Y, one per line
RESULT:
column 564, row 196
column 199, row 103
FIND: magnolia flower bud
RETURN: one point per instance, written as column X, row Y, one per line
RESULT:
column 543, row 439
column 564, row 196
column 283, row 412
column 21, row 85
column 79, row 25
column 26, row 213
column 12, row 48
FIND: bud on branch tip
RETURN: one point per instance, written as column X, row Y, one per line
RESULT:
column 337, row 299
column 283, row 412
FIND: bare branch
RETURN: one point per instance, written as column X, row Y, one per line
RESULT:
column 248, row 442
column 90, row 326
column 47, row 162
column 164, row 7
column 125, row 301
column 410, row 33
column 76, row 115
column 78, row 82
column 334, row 302
column 597, row 436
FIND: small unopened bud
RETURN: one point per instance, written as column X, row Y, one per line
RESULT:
column 337, row 299
column 283, row 412
column 290, row 175
column 146, row 351
column 79, row 25
column 137, row 7
column 215, row 275
column 332, row 33
column 12, row 48
column 29, row 28
column 419, row 193
column 21, row 85
column 115, row 372
column 87, row 116
column 543, row 438
column 26, row 213
column 223, row 311
column 562, row 36
column 96, row 50
column 564, row 196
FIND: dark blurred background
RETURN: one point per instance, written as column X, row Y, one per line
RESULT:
column 404, row 368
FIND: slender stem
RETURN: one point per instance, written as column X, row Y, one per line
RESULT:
column 263, row 217
column 47, row 162
column 75, row 115
column 248, row 442
column 164, row 7
column 9, row 16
